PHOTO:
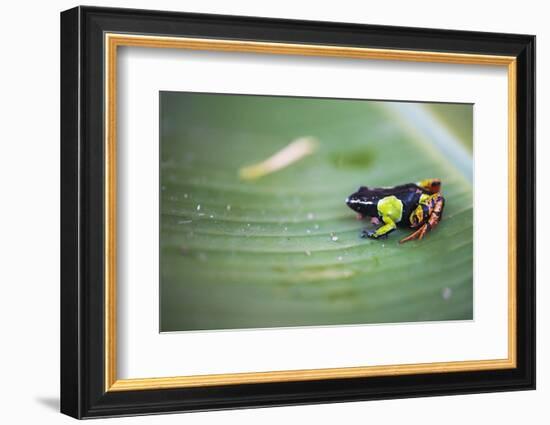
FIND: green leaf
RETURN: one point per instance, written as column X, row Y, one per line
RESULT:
column 284, row 249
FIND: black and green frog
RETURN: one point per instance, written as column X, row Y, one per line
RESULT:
column 415, row 205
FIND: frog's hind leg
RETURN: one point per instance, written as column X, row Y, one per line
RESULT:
column 435, row 204
column 430, row 185
column 418, row 234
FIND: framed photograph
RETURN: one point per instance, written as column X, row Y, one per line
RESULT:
column 261, row 212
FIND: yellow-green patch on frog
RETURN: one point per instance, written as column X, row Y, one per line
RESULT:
column 414, row 205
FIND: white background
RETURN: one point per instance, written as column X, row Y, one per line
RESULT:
column 29, row 176
column 140, row 344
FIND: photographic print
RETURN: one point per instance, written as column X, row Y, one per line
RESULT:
column 281, row 211
column 303, row 189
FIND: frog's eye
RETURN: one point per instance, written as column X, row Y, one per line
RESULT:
column 362, row 188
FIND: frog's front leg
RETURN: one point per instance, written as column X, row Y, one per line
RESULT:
column 431, row 217
column 383, row 231
column 390, row 210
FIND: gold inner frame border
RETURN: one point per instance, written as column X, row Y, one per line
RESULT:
column 113, row 40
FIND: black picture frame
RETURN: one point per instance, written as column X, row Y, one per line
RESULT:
column 83, row 392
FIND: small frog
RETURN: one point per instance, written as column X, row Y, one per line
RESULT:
column 415, row 205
